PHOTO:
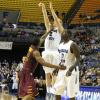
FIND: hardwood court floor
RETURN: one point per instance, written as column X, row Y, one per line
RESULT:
column 7, row 97
column 10, row 97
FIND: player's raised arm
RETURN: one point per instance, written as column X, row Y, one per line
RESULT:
column 46, row 19
column 58, row 21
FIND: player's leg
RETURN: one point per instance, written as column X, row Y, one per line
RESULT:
column 71, row 89
column 48, row 81
column 56, row 60
column 53, row 79
column 76, row 81
column 72, row 98
column 59, row 86
column 45, row 56
column 48, row 56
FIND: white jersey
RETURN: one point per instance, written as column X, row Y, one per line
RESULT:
column 15, row 83
column 53, row 39
column 65, row 85
column 66, row 57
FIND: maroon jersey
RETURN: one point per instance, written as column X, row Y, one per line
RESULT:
column 27, row 85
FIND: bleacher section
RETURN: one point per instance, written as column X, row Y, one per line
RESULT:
column 30, row 12
column 89, row 8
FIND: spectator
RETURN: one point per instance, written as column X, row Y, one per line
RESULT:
column 19, row 67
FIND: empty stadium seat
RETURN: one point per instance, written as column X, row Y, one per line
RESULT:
column 30, row 12
column 89, row 8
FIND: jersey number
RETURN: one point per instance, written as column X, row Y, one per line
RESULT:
column 62, row 62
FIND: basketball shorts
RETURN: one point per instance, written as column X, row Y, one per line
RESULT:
column 15, row 86
column 50, row 57
column 66, row 85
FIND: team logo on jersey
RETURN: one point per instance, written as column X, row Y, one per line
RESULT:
column 50, row 36
column 62, row 50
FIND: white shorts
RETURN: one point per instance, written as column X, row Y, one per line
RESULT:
column 66, row 85
column 15, row 86
column 50, row 57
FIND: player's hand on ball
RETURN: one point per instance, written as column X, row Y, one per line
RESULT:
column 41, row 4
column 68, row 73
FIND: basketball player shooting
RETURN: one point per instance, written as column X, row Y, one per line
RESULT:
column 51, row 44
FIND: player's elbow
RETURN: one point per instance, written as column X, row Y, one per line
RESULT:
column 42, row 62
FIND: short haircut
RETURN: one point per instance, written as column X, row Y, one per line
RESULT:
column 35, row 41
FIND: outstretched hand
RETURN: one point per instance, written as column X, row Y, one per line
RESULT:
column 62, row 67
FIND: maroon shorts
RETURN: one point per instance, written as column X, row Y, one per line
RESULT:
column 27, row 85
